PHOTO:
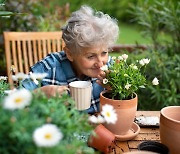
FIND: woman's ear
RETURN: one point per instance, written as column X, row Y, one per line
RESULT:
column 68, row 53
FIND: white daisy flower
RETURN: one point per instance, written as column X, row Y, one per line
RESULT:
column 124, row 56
column 104, row 68
column 127, row 86
column 155, row 81
column 19, row 76
column 113, row 58
column 146, row 60
column 36, row 77
column 100, row 119
column 17, row 100
column 96, row 120
column 133, row 66
column 3, row 78
column 109, row 113
column 120, row 57
column 105, row 81
column 47, row 135
column 141, row 62
column 93, row 119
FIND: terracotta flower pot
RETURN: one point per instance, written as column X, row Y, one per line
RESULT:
column 102, row 139
column 126, row 111
column 170, row 128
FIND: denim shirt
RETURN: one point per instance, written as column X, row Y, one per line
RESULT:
column 60, row 72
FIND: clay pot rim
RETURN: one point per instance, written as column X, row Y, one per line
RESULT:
column 165, row 116
column 101, row 94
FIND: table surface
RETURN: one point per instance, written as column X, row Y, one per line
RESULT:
column 146, row 133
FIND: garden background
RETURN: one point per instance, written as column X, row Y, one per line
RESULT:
column 155, row 24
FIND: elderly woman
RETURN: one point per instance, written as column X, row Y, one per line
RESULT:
column 88, row 36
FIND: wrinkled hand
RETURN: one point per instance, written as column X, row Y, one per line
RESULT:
column 53, row 90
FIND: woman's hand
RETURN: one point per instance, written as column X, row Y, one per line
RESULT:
column 53, row 90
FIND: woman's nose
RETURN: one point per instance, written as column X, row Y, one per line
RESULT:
column 99, row 63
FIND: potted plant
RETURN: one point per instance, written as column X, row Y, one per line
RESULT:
column 33, row 123
column 123, row 80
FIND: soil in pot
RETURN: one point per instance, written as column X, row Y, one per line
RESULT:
column 110, row 96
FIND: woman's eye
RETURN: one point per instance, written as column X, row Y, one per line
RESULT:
column 104, row 52
column 90, row 57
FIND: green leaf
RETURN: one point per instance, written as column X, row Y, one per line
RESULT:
column 6, row 13
column 142, row 86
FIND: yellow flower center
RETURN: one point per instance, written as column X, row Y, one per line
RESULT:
column 48, row 136
column 108, row 114
column 18, row 100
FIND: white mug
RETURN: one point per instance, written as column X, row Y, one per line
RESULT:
column 81, row 92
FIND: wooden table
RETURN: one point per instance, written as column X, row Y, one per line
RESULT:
column 146, row 133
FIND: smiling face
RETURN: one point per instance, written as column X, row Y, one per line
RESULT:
column 89, row 61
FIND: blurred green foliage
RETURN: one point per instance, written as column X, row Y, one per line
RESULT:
column 165, row 56
column 17, row 126
column 37, row 16
column 157, row 17
column 3, row 86
column 51, row 15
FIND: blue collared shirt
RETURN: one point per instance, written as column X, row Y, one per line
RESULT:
column 60, row 72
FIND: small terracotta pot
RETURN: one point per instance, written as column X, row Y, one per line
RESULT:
column 102, row 139
column 170, row 128
column 126, row 111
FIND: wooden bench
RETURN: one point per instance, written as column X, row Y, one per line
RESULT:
column 23, row 49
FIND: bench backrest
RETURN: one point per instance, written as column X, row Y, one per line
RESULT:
column 24, row 49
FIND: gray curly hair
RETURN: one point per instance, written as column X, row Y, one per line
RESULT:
column 87, row 28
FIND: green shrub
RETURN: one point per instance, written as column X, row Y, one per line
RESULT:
column 165, row 57
column 33, row 13
column 167, row 69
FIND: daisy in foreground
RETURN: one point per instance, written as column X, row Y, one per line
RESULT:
column 17, row 100
column 36, row 77
column 109, row 113
column 19, row 76
column 47, row 135
column 96, row 120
